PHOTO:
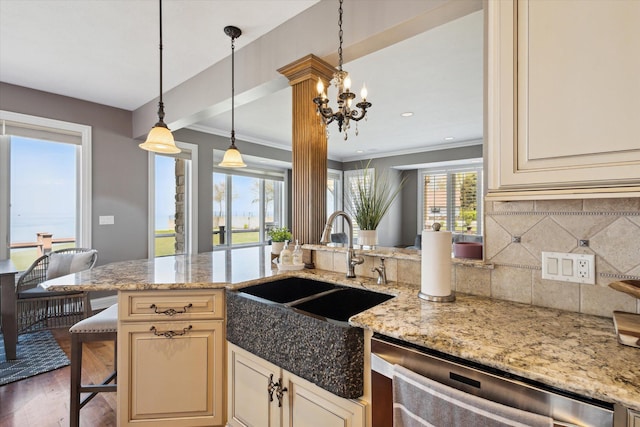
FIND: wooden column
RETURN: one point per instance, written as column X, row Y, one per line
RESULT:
column 309, row 143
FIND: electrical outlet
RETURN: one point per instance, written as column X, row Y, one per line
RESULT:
column 565, row 267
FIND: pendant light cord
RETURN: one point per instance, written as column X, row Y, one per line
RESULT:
column 233, row 73
column 160, row 103
column 340, row 36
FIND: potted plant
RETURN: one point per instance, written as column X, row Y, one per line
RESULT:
column 278, row 236
column 369, row 201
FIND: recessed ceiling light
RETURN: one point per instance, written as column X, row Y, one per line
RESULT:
column 359, row 151
column 449, row 138
column 407, row 114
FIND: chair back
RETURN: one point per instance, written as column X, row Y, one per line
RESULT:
column 37, row 272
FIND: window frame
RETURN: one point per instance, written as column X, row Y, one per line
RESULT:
column 191, row 205
column 83, row 167
column 450, row 193
column 274, row 174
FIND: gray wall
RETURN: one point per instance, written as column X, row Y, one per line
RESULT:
column 119, row 167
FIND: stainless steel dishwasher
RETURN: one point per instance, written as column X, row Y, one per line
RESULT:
column 565, row 409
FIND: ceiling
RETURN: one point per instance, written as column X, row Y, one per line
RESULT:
column 106, row 51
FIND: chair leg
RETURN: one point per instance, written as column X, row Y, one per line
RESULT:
column 76, row 379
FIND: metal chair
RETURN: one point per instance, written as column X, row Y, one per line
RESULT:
column 100, row 327
column 38, row 309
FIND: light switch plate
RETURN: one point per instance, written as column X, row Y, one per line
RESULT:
column 566, row 267
column 106, row 220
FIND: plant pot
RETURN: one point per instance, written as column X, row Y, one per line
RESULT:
column 471, row 250
column 276, row 247
column 368, row 238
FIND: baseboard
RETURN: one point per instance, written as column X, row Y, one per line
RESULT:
column 104, row 302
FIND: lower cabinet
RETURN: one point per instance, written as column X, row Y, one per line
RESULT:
column 260, row 394
column 171, row 359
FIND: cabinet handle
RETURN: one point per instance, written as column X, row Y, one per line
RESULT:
column 277, row 387
column 170, row 334
column 170, row 311
column 280, row 393
column 271, row 387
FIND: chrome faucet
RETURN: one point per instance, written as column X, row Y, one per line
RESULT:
column 382, row 273
column 352, row 259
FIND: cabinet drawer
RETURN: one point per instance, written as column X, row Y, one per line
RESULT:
column 171, row 305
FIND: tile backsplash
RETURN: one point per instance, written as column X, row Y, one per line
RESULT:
column 611, row 227
column 512, row 269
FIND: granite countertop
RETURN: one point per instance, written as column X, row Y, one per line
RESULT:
column 208, row 270
column 571, row 351
column 575, row 352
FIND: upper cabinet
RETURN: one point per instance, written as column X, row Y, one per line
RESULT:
column 563, row 98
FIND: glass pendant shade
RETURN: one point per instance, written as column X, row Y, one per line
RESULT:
column 160, row 140
column 232, row 159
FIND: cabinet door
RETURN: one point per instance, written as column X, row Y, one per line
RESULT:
column 249, row 403
column 563, row 96
column 634, row 418
column 307, row 405
column 171, row 373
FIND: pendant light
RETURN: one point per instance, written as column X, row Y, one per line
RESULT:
column 160, row 139
column 232, row 157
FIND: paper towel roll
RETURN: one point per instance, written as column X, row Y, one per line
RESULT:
column 436, row 265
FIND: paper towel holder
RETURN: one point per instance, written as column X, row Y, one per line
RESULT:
column 433, row 298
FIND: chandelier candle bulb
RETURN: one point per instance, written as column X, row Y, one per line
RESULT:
column 320, row 88
column 363, row 92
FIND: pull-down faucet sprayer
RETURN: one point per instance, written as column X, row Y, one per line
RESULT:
column 352, row 259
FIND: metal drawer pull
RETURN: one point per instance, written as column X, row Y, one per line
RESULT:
column 277, row 387
column 170, row 334
column 170, row 311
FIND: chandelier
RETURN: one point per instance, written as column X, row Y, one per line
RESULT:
column 341, row 80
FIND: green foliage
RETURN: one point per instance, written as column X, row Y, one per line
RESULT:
column 279, row 234
column 371, row 198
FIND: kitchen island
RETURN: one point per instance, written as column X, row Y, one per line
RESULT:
column 569, row 351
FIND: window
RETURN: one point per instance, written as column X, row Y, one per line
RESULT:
column 334, row 195
column 246, row 203
column 452, row 197
column 46, row 187
column 173, row 218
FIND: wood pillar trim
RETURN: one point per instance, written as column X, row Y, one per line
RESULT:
column 309, row 148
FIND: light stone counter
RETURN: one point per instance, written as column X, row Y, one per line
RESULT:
column 571, row 351
column 208, row 270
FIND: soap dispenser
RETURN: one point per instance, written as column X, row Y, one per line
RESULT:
column 286, row 257
column 297, row 254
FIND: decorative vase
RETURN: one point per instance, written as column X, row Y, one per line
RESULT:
column 276, row 247
column 368, row 238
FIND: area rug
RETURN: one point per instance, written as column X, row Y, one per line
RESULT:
column 37, row 352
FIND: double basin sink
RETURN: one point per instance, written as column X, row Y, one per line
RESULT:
column 321, row 299
column 301, row 325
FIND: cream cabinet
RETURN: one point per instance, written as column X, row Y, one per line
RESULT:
column 260, row 394
column 171, row 358
column 563, row 98
column 634, row 418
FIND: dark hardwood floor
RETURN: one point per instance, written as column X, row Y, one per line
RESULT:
column 43, row 400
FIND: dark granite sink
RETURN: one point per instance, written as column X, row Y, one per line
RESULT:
column 301, row 326
column 342, row 303
column 287, row 290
